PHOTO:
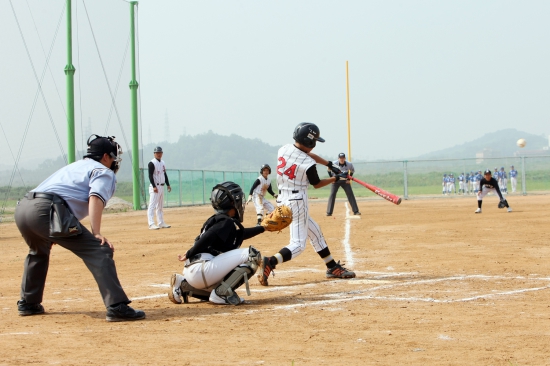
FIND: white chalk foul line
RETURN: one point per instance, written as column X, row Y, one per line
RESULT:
column 347, row 249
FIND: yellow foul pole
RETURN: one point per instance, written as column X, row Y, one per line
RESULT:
column 347, row 100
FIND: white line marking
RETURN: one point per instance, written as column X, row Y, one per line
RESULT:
column 347, row 248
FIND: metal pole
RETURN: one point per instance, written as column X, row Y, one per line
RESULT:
column 133, row 94
column 203, row 188
column 179, row 182
column 405, row 183
column 69, row 72
column 523, row 182
column 347, row 103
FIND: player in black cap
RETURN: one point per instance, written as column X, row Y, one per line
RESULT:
column 490, row 184
column 345, row 167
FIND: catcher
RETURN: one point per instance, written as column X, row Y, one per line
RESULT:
column 216, row 266
column 489, row 184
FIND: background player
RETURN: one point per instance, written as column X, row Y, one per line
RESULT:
column 444, row 182
column 157, row 179
column 84, row 187
column 503, row 180
column 347, row 168
column 295, row 172
column 452, row 186
column 257, row 193
column 215, row 266
column 513, row 178
column 489, row 184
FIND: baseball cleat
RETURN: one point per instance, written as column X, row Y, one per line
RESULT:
column 509, row 209
column 478, row 210
column 225, row 300
column 153, row 227
column 25, row 309
column 339, row 272
column 175, row 295
column 265, row 271
column 164, row 226
column 122, row 313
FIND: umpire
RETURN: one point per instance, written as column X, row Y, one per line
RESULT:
column 51, row 213
column 345, row 167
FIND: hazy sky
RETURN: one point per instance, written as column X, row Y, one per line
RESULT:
column 424, row 75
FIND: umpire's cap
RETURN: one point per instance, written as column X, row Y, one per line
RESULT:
column 157, row 149
column 341, row 155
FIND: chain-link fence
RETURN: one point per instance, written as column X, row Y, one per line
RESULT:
column 406, row 178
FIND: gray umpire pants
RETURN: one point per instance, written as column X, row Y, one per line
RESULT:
column 349, row 192
column 32, row 217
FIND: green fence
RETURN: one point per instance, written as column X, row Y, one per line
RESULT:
column 407, row 178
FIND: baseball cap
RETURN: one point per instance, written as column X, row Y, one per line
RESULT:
column 157, row 149
column 341, row 155
column 487, row 171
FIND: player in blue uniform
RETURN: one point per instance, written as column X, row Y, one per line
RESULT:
column 513, row 178
column 444, row 183
column 75, row 191
column 503, row 182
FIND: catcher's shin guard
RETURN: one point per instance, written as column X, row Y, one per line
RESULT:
column 239, row 275
column 188, row 290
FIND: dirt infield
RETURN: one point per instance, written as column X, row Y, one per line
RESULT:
column 435, row 285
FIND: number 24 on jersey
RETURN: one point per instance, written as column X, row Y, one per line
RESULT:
column 289, row 172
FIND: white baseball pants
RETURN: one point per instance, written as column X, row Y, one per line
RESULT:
column 156, row 204
column 206, row 275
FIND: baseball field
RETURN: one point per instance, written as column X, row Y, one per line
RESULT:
column 436, row 285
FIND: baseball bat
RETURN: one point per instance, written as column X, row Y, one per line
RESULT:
column 384, row 194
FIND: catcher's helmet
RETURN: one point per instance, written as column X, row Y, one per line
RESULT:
column 157, row 149
column 307, row 134
column 228, row 195
column 265, row 166
column 99, row 145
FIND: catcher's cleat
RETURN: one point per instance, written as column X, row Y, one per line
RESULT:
column 175, row 294
column 25, row 309
column 339, row 272
column 225, row 300
column 265, row 270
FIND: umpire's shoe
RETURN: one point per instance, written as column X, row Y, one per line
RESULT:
column 265, row 271
column 339, row 272
column 122, row 312
column 29, row 309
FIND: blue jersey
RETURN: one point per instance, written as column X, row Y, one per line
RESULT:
column 461, row 178
column 76, row 182
column 513, row 173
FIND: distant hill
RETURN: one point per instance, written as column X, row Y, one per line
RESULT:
column 503, row 144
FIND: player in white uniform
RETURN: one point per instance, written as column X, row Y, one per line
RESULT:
column 296, row 170
column 157, row 179
column 513, row 178
column 257, row 193
column 216, row 265
column 489, row 184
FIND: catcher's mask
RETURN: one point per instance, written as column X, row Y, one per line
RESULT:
column 228, row 195
column 307, row 134
column 99, row 145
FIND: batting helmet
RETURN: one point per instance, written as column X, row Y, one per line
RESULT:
column 307, row 134
column 99, row 145
column 265, row 166
column 228, row 195
column 157, row 149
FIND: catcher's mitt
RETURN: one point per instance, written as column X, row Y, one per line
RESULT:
column 277, row 220
column 503, row 203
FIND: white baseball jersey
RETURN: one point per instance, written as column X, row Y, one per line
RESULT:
column 156, row 201
column 258, row 197
column 292, row 182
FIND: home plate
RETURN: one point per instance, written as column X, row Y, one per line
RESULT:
column 354, row 217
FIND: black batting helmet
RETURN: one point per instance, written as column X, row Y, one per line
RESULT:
column 265, row 166
column 228, row 195
column 307, row 134
column 157, row 149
